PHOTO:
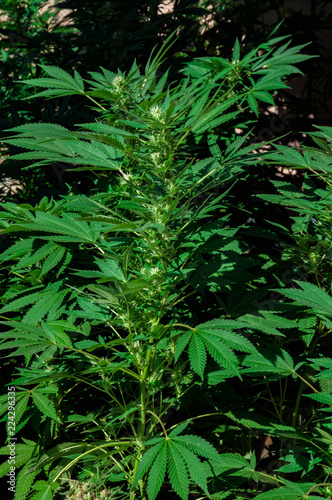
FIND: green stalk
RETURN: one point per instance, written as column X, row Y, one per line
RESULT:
column 297, row 405
column 142, row 419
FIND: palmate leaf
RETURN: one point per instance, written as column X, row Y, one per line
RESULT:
column 197, row 445
column 179, row 455
column 44, row 491
column 321, row 397
column 44, row 405
column 23, row 451
column 93, row 154
column 57, row 335
column 41, row 253
column 23, row 456
column 41, row 307
column 260, row 323
column 24, row 480
column 49, row 223
column 110, row 269
column 53, row 260
column 220, row 352
column 59, row 83
column 194, row 466
column 32, row 339
column 233, row 339
column 311, row 296
column 201, row 342
column 293, row 491
column 277, row 361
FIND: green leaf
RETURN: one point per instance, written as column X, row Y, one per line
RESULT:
column 179, row 428
column 197, row 354
column 194, row 466
column 282, row 493
column 44, row 491
column 263, row 96
column 260, row 323
column 220, row 352
column 272, row 360
column 198, row 445
column 181, row 344
column 53, row 260
column 44, row 405
column 147, row 460
column 157, row 473
column 111, row 268
column 321, row 398
column 20, row 408
column 311, row 296
column 253, row 104
column 24, row 480
column 231, row 461
column 236, row 51
column 177, row 472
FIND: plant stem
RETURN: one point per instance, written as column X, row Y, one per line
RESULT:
column 142, row 421
column 297, row 405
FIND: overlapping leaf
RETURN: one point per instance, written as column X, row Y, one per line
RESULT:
column 178, row 454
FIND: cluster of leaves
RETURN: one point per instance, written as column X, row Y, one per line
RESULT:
column 150, row 358
column 76, row 35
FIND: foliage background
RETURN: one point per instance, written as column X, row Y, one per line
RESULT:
column 86, row 35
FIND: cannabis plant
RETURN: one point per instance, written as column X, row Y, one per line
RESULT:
column 116, row 301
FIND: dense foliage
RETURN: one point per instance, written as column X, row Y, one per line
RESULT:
column 80, row 35
column 160, row 343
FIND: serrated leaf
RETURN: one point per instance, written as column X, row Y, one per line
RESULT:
column 52, row 260
column 179, row 428
column 85, row 344
column 157, row 473
column 325, row 398
column 252, row 104
column 311, row 296
column 198, row 445
column 197, row 354
column 194, row 466
column 111, row 268
column 24, row 481
column 231, row 461
column 220, row 352
column 147, row 460
column 81, row 418
column 44, row 491
column 282, row 493
column 44, row 405
column 20, row 408
column 177, row 472
column 181, row 344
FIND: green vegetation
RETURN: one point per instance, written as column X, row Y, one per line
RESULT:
column 167, row 315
